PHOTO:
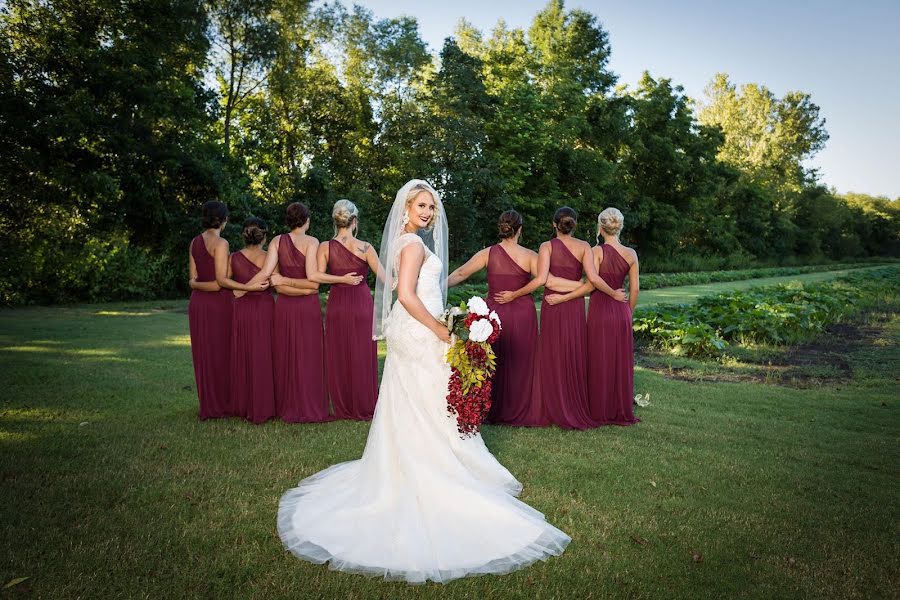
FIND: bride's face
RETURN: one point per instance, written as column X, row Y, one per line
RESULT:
column 421, row 210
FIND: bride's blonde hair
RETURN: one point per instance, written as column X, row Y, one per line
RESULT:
column 415, row 191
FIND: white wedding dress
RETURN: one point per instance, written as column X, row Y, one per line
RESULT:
column 421, row 503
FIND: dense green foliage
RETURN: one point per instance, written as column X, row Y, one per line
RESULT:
column 118, row 119
column 781, row 314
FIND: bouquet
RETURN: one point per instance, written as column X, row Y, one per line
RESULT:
column 472, row 362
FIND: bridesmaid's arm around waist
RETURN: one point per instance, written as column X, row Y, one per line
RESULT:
column 559, row 284
column 581, row 291
column 540, row 269
column 203, row 286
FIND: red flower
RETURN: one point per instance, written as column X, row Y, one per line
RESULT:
column 472, row 406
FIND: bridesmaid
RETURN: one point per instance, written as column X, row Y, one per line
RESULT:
column 298, row 352
column 351, row 355
column 252, row 388
column 562, row 373
column 610, row 341
column 209, row 314
column 511, row 269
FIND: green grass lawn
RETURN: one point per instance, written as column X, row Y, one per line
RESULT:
column 112, row 488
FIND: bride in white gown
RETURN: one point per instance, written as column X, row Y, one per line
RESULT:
column 421, row 503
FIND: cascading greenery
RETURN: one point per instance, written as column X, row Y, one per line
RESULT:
column 118, row 119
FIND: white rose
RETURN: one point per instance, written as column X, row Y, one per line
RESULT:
column 480, row 330
column 495, row 318
column 477, row 306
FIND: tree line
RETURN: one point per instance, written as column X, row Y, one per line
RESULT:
column 118, row 119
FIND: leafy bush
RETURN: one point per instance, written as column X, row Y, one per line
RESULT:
column 780, row 314
column 95, row 270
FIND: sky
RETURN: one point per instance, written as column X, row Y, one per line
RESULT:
column 844, row 54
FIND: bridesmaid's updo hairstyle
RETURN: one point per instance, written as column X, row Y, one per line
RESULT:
column 215, row 214
column 254, row 231
column 343, row 214
column 610, row 222
column 509, row 224
column 565, row 220
column 297, row 215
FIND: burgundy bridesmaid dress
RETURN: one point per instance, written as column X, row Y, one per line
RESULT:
column 351, row 355
column 209, row 319
column 252, row 386
column 298, row 346
column 563, row 350
column 611, row 348
column 516, row 348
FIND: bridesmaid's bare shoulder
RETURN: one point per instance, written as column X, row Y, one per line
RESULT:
column 632, row 252
column 309, row 242
column 581, row 245
column 219, row 244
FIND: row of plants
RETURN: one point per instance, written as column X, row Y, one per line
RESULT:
column 780, row 314
column 654, row 281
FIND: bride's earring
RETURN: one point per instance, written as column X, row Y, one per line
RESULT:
column 405, row 218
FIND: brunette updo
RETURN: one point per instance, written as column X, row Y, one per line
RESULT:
column 297, row 215
column 344, row 213
column 214, row 213
column 565, row 220
column 509, row 224
column 254, row 231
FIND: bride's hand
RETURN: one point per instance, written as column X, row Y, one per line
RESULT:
column 442, row 332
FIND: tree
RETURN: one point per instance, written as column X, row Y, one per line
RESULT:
column 766, row 137
column 458, row 108
column 107, row 132
column 243, row 36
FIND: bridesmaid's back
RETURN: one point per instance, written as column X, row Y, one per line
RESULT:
column 504, row 273
column 291, row 262
column 243, row 270
column 563, row 263
column 206, row 265
column 342, row 261
column 613, row 267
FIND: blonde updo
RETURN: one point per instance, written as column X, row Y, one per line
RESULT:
column 344, row 214
column 610, row 222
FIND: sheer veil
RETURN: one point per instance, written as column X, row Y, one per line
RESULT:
column 435, row 239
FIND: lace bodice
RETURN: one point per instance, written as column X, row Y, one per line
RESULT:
column 401, row 325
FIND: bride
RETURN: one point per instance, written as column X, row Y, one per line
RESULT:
column 421, row 503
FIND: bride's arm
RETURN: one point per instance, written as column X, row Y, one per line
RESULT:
column 411, row 259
